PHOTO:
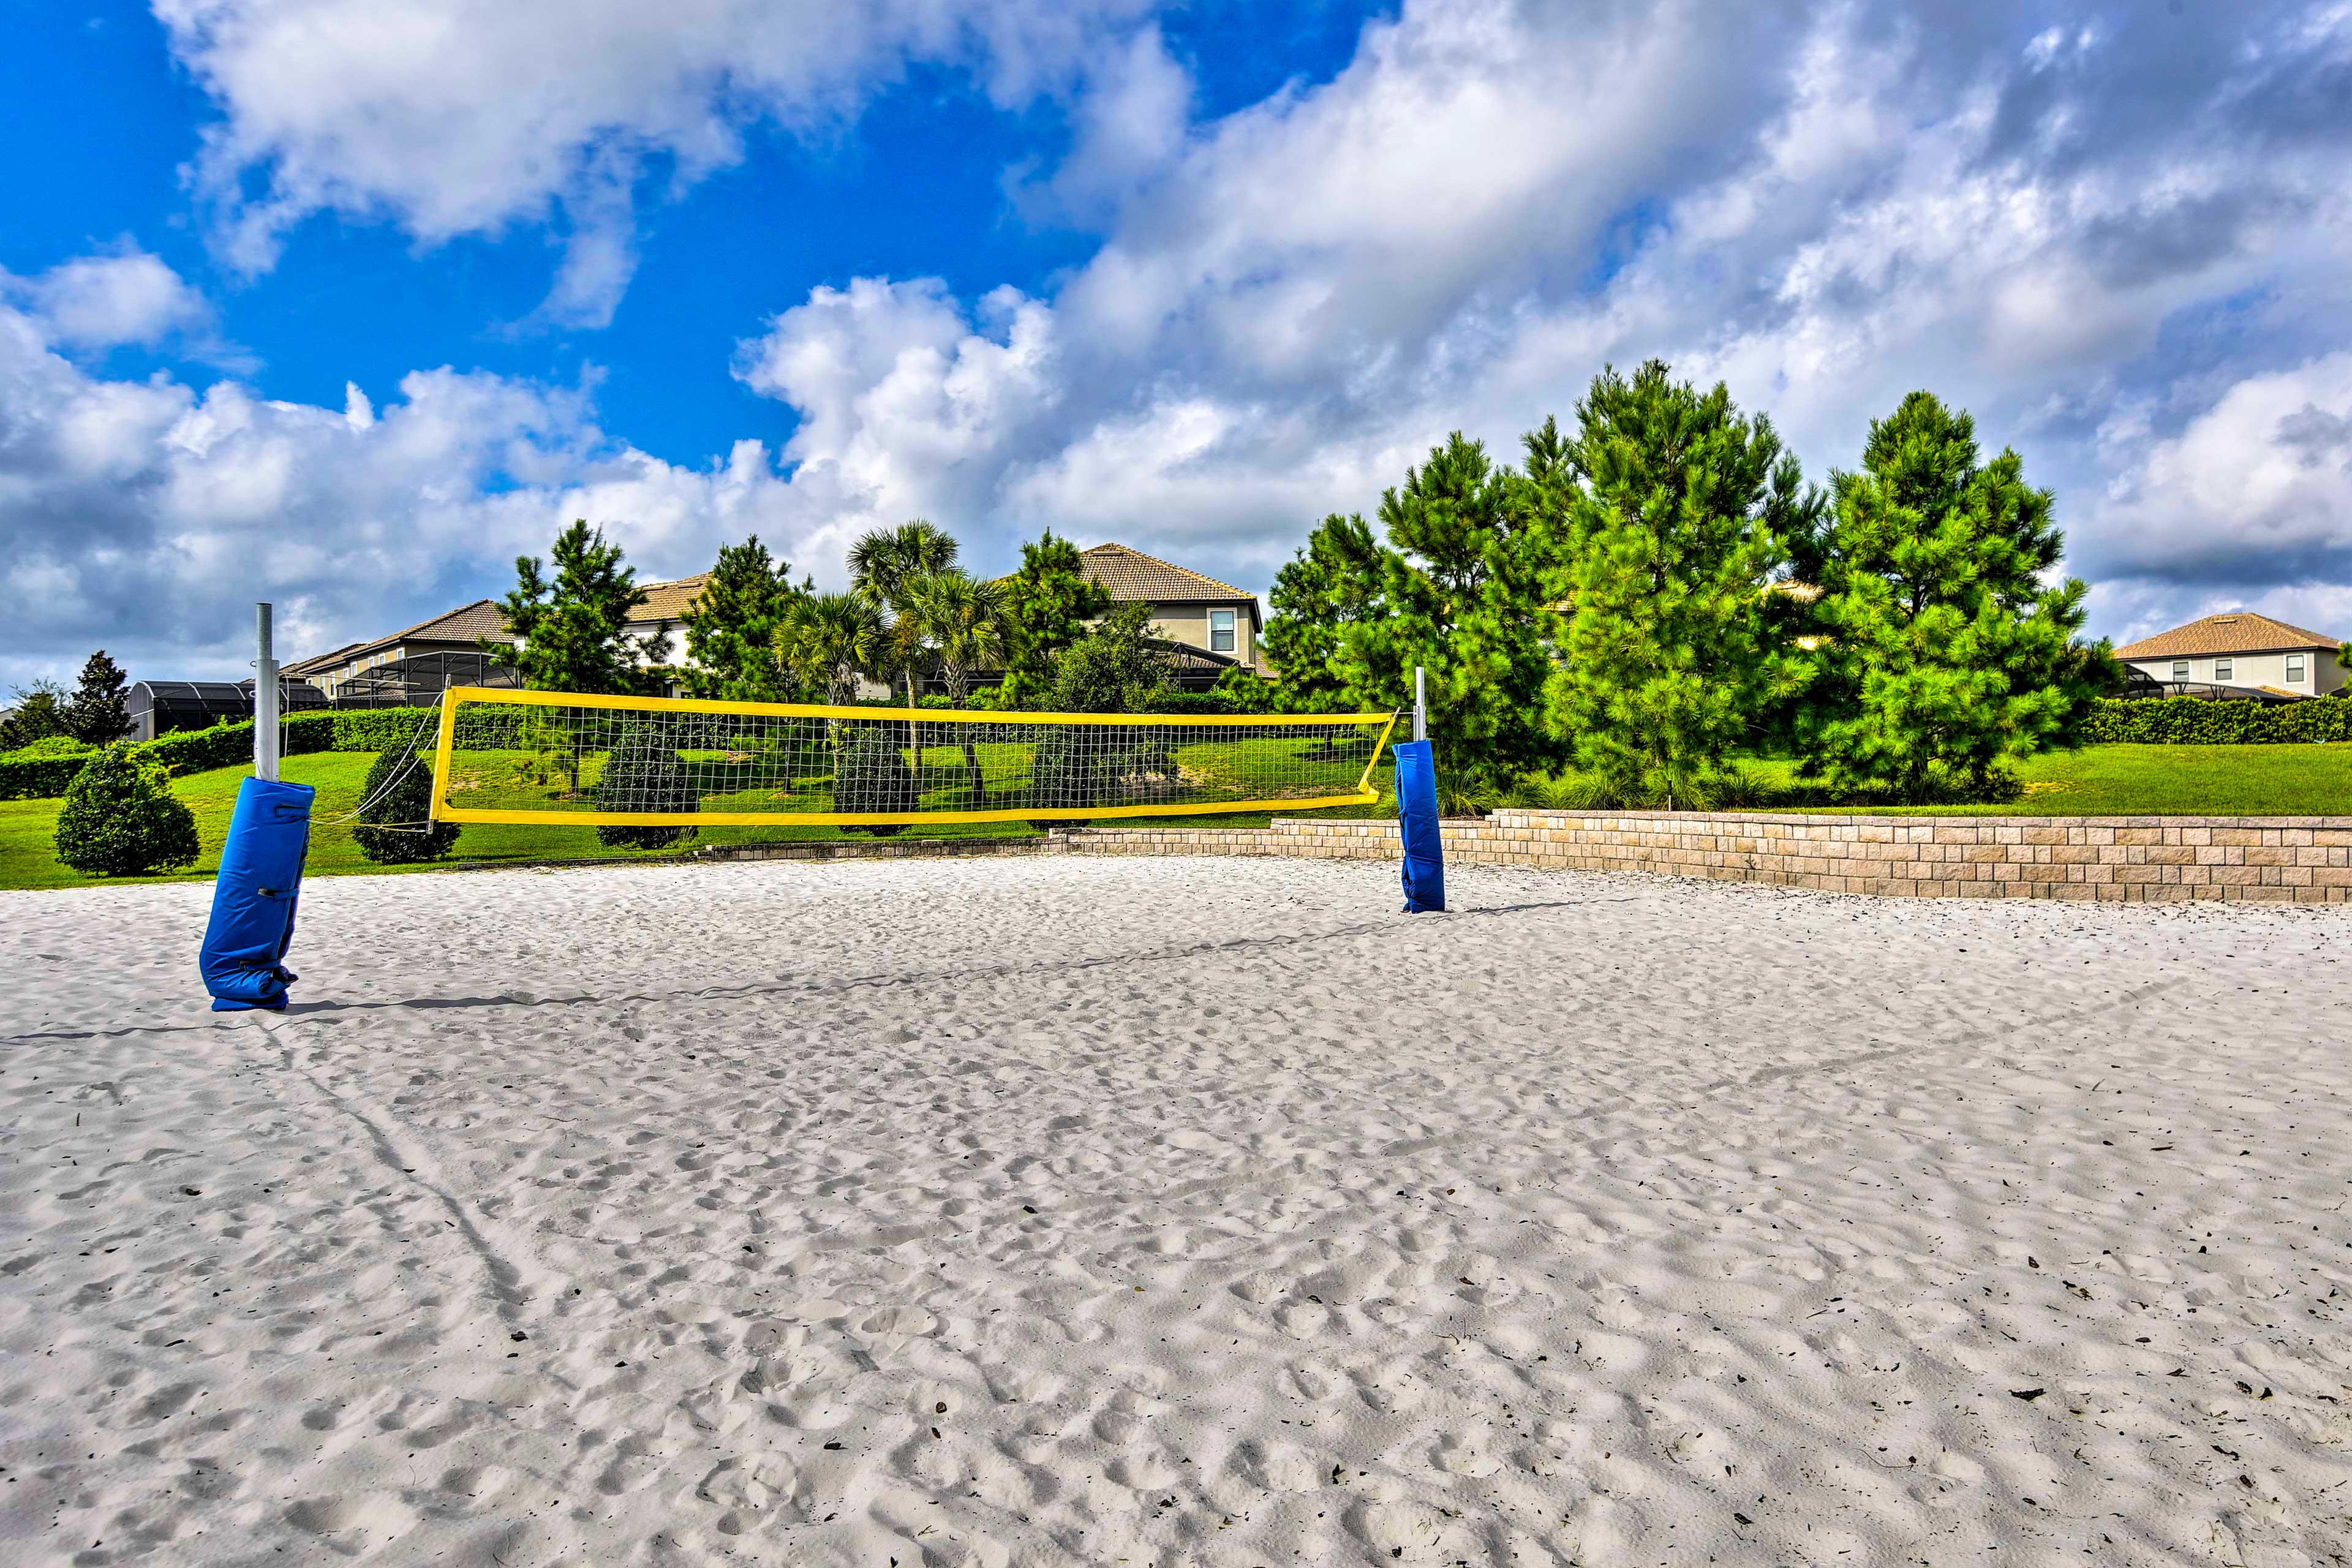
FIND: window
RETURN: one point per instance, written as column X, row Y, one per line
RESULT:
column 1220, row 631
column 2293, row 667
column 2222, row 667
column 2180, row 669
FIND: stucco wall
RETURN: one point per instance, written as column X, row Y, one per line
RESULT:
column 1189, row 624
column 2321, row 673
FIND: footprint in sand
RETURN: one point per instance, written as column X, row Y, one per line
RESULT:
column 1276, row 1467
column 1395, row 1529
column 1149, row 1469
column 767, row 1485
column 1120, row 1427
column 930, row 1462
column 900, row 1320
column 1955, row 1478
column 1310, row 1381
column 1260, row 1287
column 477, row 1483
column 635, row 1463
column 1302, row 1319
column 167, row 1402
column 356, row 1524
column 209, row 1481
column 1463, row 1453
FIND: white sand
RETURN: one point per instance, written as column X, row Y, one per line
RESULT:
column 1174, row 1212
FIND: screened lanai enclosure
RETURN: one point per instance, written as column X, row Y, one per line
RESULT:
column 419, row 679
column 163, row 707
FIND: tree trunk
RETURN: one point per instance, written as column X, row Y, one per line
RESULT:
column 975, row 780
column 914, row 740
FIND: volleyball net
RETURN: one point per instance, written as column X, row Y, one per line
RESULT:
column 567, row 757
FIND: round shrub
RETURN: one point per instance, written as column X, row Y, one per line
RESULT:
column 870, row 774
column 642, row 773
column 121, row 818
column 408, row 800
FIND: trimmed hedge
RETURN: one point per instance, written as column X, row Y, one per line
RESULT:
column 381, row 729
column 2194, row 721
column 30, row 778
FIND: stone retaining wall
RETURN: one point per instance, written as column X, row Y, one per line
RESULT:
column 2137, row 860
column 2276, row 859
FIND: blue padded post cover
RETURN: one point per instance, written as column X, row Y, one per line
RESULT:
column 253, row 900
column 1424, row 854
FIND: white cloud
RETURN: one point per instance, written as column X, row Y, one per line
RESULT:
column 146, row 516
column 2256, row 488
column 1828, row 209
column 458, row 116
column 2122, row 254
column 122, row 296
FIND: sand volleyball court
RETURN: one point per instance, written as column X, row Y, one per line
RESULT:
column 1174, row 1212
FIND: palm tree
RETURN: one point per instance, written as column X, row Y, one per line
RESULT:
column 828, row 641
column 968, row 628
column 884, row 562
column 881, row 563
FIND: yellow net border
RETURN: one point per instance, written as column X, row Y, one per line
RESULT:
column 652, row 762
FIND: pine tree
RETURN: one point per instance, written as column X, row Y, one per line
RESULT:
column 1461, row 594
column 41, row 713
column 1670, row 509
column 1332, row 585
column 1945, row 655
column 573, row 634
column 97, row 713
column 731, row 628
column 1050, row 600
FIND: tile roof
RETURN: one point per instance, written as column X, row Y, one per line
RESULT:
column 319, row 661
column 2240, row 632
column 1130, row 574
column 485, row 619
column 669, row 601
column 466, row 623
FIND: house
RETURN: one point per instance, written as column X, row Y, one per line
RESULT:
column 415, row 665
column 1200, row 614
column 660, row 622
column 2240, row 654
column 444, row 651
column 1214, row 625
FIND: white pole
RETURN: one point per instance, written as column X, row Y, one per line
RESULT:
column 1420, row 704
column 264, row 701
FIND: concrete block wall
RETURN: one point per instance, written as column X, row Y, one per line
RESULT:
column 2276, row 859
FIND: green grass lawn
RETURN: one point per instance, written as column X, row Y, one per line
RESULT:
column 27, row 827
column 795, row 773
column 2151, row 781
column 2100, row 781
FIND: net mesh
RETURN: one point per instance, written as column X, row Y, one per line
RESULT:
column 528, row 757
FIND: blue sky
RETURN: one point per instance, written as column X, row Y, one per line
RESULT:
column 345, row 305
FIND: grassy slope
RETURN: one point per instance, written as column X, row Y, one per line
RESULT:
column 2194, row 781
column 2159, row 781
